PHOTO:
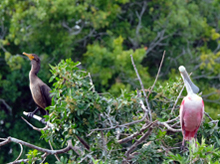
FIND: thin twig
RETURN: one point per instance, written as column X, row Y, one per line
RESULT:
column 90, row 79
column 117, row 126
column 136, row 134
column 6, row 105
column 104, row 143
column 12, row 139
column 44, row 156
column 38, row 118
column 158, row 73
column 138, row 142
column 143, row 106
column 20, row 152
column 35, row 128
column 49, row 125
column 213, row 121
column 51, row 147
column 177, row 99
column 175, row 119
column 168, row 127
column 142, row 86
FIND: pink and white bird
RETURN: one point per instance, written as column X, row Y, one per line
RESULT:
column 191, row 109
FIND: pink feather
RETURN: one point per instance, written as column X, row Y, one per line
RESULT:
column 191, row 114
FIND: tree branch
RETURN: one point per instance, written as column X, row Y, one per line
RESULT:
column 6, row 105
column 118, row 126
column 138, row 142
column 137, row 133
column 168, row 127
column 49, row 152
column 142, row 86
column 158, row 72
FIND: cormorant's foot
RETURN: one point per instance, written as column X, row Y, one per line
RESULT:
column 31, row 114
column 43, row 121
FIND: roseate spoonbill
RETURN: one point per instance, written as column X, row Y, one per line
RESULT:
column 191, row 109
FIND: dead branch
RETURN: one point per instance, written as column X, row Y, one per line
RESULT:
column 168, row 127
column 38, row 118
column 126, row 124
column 49, row 152
column 90, row 79
column 138, row 142
column 158, row 72
column 137, row 133
column 157, row 41
column 175, row 119
column 6, row 105
column 35, row 128
column 46, row 151
column 211, row 120
column 142, row 86
column 49, row 125
column 51, row 147
column 118, row 126
column 177, row 99
column 144, row 6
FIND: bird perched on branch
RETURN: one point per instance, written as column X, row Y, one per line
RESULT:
column 191, row 109
column 39, row 90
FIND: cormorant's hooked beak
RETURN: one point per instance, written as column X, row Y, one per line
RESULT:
column 187, row 80
column 30, row 56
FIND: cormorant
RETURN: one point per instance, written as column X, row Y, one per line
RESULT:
column 39, row 90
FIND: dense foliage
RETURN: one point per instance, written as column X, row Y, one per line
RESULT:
column 102, row 35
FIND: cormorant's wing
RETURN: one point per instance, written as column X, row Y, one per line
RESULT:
column 45, row 91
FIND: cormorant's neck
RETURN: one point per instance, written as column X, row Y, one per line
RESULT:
column 35, row 67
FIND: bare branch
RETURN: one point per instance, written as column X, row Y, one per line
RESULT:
column 6, row 105
column 144, row 6
column 175, row 119
column 38, row 118
column 11, row 139
column 177, row 124
column 138, row 142
column 35, row 128
column 177, row 99
column 90, row 78
column 49, row 125
column 158, row 72
column 213, row 121
column 21, row 160
column 168, row 127
column 87, row 156
column 137, row 133
column 117, row 126
column 74, row 30
column 20, row 152
column 104, row 143
column 142, row 86
column 158, row 39
column 51, row 147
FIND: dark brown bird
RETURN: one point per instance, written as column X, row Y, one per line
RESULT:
column 39, row 90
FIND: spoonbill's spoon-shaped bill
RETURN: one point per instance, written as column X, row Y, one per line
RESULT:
column 190, row 86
